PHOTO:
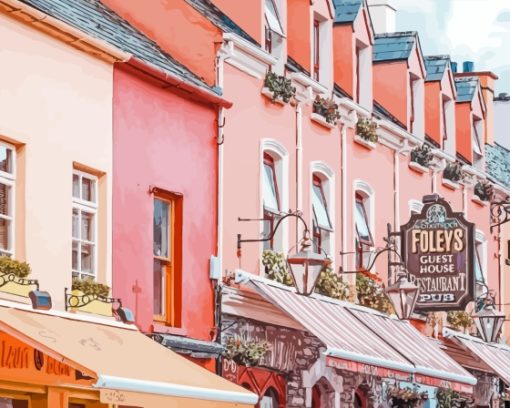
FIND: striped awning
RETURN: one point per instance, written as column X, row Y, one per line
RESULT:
column 496, row 356
column 364, row 340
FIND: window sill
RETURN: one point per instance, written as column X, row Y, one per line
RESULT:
column 367, row 144
column 161, row 328
column 478, row 201
column 452, row 185
column 418, row 168
column 321, row 120
column 268, row 94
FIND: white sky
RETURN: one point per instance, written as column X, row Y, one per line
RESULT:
column 474, row 30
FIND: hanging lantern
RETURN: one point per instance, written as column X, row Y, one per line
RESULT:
column 403, row 295
column 305, row 267
column 489, row 322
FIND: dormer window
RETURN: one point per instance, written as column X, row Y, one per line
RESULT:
column 273, row 29
column 475, row 136
column 445, row 123
column 412, row 112
column 316, row 49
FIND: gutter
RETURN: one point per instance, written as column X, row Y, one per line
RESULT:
column 83, row 41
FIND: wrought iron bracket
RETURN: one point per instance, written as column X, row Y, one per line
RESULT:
column 500, row 212
column 75, row 301
column 10, row 277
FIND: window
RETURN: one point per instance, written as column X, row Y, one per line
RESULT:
column 270, row 399
column 316, row 49
column 7, row 205
column 84, row 225
column 358, row 73
column 167, row 235
column 14, row 403
column 273, row 29
column 412, row 116
column 271, row 199
column 364, row 240
column 477, row 148
column 445, row 123
column 479, row 268
column 321, row 219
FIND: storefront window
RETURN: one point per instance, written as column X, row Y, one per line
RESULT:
column 13, row 403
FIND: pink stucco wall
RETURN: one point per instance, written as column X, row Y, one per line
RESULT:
column 161, row 139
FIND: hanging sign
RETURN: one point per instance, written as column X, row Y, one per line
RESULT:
column 438, row 250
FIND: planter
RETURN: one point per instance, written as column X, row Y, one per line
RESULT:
column 268, row 94
column 13, row 286
column 479, row 201
column 417, row 167
column 364, row 142
column 452, row 185
column 89, row 304
column 321, row 120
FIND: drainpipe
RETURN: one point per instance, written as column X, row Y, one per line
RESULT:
column 343, row 190
column 299, row 163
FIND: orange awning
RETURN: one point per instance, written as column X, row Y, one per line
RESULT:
column 131, row 369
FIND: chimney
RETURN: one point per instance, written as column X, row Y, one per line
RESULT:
column 383, row 16
column 454, row 67
column 468, row 66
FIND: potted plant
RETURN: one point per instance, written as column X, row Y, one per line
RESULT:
column 421, row 157
column 278, row 88
column 460, row 320
column 12, row 271
column 452, row 175
column 90, row 296
column 247, row 353
column 366, row 133
column 325, row 111
column 331, row 285
column 276, row 267
column 447, row 398
column 370, row 294
column 405, row 397
column 483, row 192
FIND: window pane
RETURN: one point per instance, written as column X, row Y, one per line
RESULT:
column 87, row 226
column 6, row 159
column 159, row 287
column 76, row 186
column 76, row 223
column 4, row 234
column 272, row 18
column 478, row 265
column 88, row 189
column 319, row 207
column 161, row 228
column 362, row 223
column 476, row 141
column 75, row 255
column 13, row 403
column 270, row 198
column 4, row 199
column 87, row 258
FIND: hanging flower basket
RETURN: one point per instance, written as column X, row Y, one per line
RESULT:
column 460, row 320
column 246, row 353
column 331, row 285
column 405, row 397
column 276, row 267
column 371, row 295
column 366, row 133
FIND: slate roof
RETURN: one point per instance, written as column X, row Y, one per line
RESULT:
column 394, row 46
column 346, row 10
column 219, row 19
column 436, row 66
column 497, row 162
column 466, row 88
column 95, row 19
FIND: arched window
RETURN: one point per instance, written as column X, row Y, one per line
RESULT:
column 272, row 206
column 322, row 226
column 363, row 223
column 270, row 399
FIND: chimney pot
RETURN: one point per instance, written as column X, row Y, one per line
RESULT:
column 454, row 67
column 468, row 66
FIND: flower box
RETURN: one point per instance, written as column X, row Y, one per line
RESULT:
column 13, row 286
column 79, row 301
column 321, row 120
column 452, row 185
column 268, row 94
column 364, row 142
column 479, row 201
column 417, row 167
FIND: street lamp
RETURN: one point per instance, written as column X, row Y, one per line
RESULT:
column 489, row 321
column 403, row 296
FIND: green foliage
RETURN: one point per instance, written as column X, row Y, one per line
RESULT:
column 454, row 172
column 330, row 284
column 12, row 266
column 484, row 190
column 247, row 353
column 404, row 397
column 326, row 108
column 459, row 320
column 280, row 86
column 370, row 294
column 447, row 398
column 90, row 287
column 276, row 267
column 422, row 155
column 367, row 129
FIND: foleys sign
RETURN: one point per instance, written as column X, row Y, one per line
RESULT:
column 437, row 246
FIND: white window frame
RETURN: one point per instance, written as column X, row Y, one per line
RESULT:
column 449, row 144
column 415, row 206
column 91, row 208
column 327, row 176
column 481, row 244
column 477, row 128
column 365, row 98
column 418, row 92
column 325, row 50
column 366, row 190
column 9, row 179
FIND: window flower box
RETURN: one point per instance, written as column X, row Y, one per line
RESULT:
column 452, row 185
column 484, row 192
column 278, row 88
column 268, row 94
column 364, row 142
column 321, row 120
column 13, row 277
column 94, row 304
column 417, row 167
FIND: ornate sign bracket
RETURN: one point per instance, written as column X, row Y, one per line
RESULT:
column 500, row 212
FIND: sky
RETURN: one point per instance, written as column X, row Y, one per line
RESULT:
column 467, row 30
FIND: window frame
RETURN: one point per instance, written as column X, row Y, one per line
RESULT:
column 444, row 101
column 412, row 113
column 172, row 273
column 270, row 217
column 89, row 207
column 9, row 180
column 358, row 74
column 269, row 31
column 318, row 230
column 361, row 243
column 475, row 139
column 316, row 50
